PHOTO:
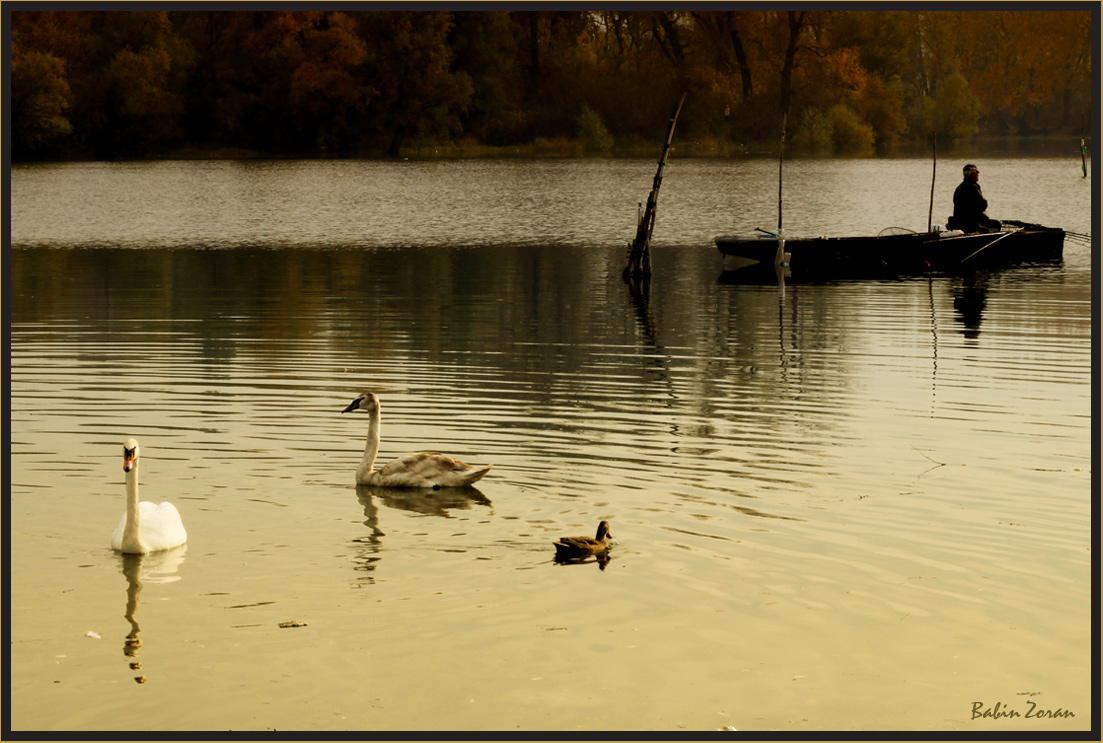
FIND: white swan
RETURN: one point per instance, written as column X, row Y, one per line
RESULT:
column 421, row 470
column 145, row 527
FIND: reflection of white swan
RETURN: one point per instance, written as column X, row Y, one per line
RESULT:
column 422, row 470
column 161, row 567
column 132, row 569
column 145, row 527
column 157, row 568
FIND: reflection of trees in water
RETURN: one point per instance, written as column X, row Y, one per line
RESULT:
column 159, row 567
column 545, row 335
column 365, row 300
column 423, row 501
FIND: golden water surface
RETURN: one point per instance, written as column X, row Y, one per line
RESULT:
column 861, row 505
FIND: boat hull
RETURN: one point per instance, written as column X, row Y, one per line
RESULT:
column 909, row 253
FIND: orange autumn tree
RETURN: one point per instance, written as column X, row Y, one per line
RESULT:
column 1034, row 59
column 40, row 98
column 325, row 89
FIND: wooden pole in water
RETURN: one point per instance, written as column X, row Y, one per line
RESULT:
column 779, row 257
column 1083, row 148
column 639, row 251
column 934, row 170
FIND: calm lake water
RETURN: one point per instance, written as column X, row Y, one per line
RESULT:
column 862, row 505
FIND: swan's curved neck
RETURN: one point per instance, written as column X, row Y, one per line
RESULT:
column 371, row 447
column 132, row 536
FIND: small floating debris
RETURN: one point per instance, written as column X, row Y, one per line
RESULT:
column 294, row 623
column 140, row 679
column 93, row 635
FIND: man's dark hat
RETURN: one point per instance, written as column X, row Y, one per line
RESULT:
column 969, row 167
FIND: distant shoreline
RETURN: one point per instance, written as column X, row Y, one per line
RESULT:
column 562, row 148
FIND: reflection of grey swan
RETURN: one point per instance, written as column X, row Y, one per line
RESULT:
column 421, row 470
column 427, row 502
column 570, row 547
column 145, row 527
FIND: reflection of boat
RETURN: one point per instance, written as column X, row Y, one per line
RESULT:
column 895, row 254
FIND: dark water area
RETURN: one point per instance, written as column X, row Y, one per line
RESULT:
column 836, row 506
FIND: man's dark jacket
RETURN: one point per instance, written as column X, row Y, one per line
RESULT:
column 969, row 206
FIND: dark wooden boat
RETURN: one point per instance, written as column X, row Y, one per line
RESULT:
column 896, row 254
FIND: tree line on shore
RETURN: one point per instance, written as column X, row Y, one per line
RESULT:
column 133, row 84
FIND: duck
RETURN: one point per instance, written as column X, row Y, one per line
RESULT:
column 145, row 527
column 421, row 470
column 572, row 547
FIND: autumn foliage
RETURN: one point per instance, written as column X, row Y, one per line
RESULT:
column 124, row 84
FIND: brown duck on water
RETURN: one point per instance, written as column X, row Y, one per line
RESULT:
column 567, row 547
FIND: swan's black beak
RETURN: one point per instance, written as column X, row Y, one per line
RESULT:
column 354, row 405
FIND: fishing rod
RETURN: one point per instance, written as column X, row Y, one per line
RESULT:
column 985, row 247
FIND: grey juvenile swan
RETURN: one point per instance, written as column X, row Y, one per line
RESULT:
column 421, row 470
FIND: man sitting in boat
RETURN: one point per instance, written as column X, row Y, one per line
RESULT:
column 970, row 204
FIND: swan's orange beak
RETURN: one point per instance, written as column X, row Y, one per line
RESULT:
column 128, row 460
